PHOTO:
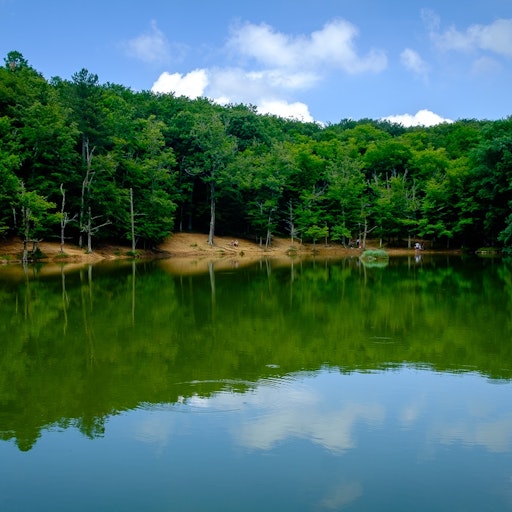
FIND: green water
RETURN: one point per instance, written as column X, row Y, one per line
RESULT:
column 322, row 385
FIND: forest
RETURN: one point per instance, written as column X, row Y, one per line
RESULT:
column 84, row 162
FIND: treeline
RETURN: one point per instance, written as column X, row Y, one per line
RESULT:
column 81, row 160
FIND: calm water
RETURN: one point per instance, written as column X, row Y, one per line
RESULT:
column 318, row 386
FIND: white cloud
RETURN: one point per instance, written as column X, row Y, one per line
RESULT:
column 413, row 62
column 330, row 47
column 431, row 19
column 495, row 38
column 273, row 66
column 421, row 118
column 231, row 86
column 151, row 47
column 243, row 86
column 297, row 110
column 486, row 66
column 192, row 85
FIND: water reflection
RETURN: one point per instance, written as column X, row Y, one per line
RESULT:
column 317, row 381
column 319, row 441
column 326, row 408
column 303, row 412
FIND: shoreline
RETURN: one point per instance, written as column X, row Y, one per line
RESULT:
column 193, row 246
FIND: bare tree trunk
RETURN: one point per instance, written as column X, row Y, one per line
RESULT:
column 62, row 219
column 86, row 183
column 132, row 219
column 291, row 223
column 269, row 234
column 365, row 233
column 24, row 258
column 212, row 213
column 25, row 219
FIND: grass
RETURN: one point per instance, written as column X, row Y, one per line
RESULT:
column 488, row 250
column 375, row 254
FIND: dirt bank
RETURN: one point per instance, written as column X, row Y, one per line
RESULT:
column 181, row 246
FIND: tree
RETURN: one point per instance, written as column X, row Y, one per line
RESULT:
column 216, row 149
column 386, row 157
column 491, row 179
column 64, row 219
column 84, row 96
column 315, row 232
column 86, row 185
column 152, row 180
column 9, row 162
column 435, row 210
column 15, row 61
column 346, row 187
column 261, row 175
column 392, row 205
column 35, row 218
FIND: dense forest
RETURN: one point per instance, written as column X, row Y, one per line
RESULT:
column 82, row 162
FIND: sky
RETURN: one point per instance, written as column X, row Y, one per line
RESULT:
column 415, row 62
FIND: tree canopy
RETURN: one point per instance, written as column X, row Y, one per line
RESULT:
column 143, row 165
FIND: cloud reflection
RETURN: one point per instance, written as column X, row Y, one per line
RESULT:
column 341, row 496
column 495, row 436
column 326, row 412
column 278, row 410
column 332, row 430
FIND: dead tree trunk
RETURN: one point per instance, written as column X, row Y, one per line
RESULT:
column 132, row 220
column 211, row 233
column 86, row 183
column 64, row 219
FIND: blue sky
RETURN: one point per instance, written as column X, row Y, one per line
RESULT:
column 414, row 61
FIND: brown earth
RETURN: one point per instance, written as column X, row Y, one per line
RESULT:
column 183, row 251
column 178, row 245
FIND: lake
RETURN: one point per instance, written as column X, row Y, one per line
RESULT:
column 317, row 385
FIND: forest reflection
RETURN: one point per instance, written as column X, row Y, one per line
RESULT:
column 80, row 346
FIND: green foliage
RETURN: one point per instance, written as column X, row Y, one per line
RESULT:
column 36, row 215
column 195, row 165
column 316, row 233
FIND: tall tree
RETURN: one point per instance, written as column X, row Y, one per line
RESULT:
column 261, row 176
column 492, row 178
column 215, row 150
column 151, row 176
column 346, row 187
column 9, row 162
